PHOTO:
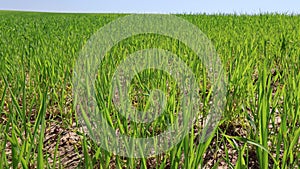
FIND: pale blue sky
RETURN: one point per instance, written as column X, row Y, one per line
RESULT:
column 154, row 6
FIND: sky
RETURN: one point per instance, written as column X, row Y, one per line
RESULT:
column 154, row 6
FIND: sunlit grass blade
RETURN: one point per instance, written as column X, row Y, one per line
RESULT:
column 42, row 124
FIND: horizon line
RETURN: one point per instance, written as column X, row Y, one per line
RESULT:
column 179, row 13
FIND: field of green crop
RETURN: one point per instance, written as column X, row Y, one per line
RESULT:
column 260, row 126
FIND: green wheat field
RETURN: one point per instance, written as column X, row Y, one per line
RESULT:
column 259, row 128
